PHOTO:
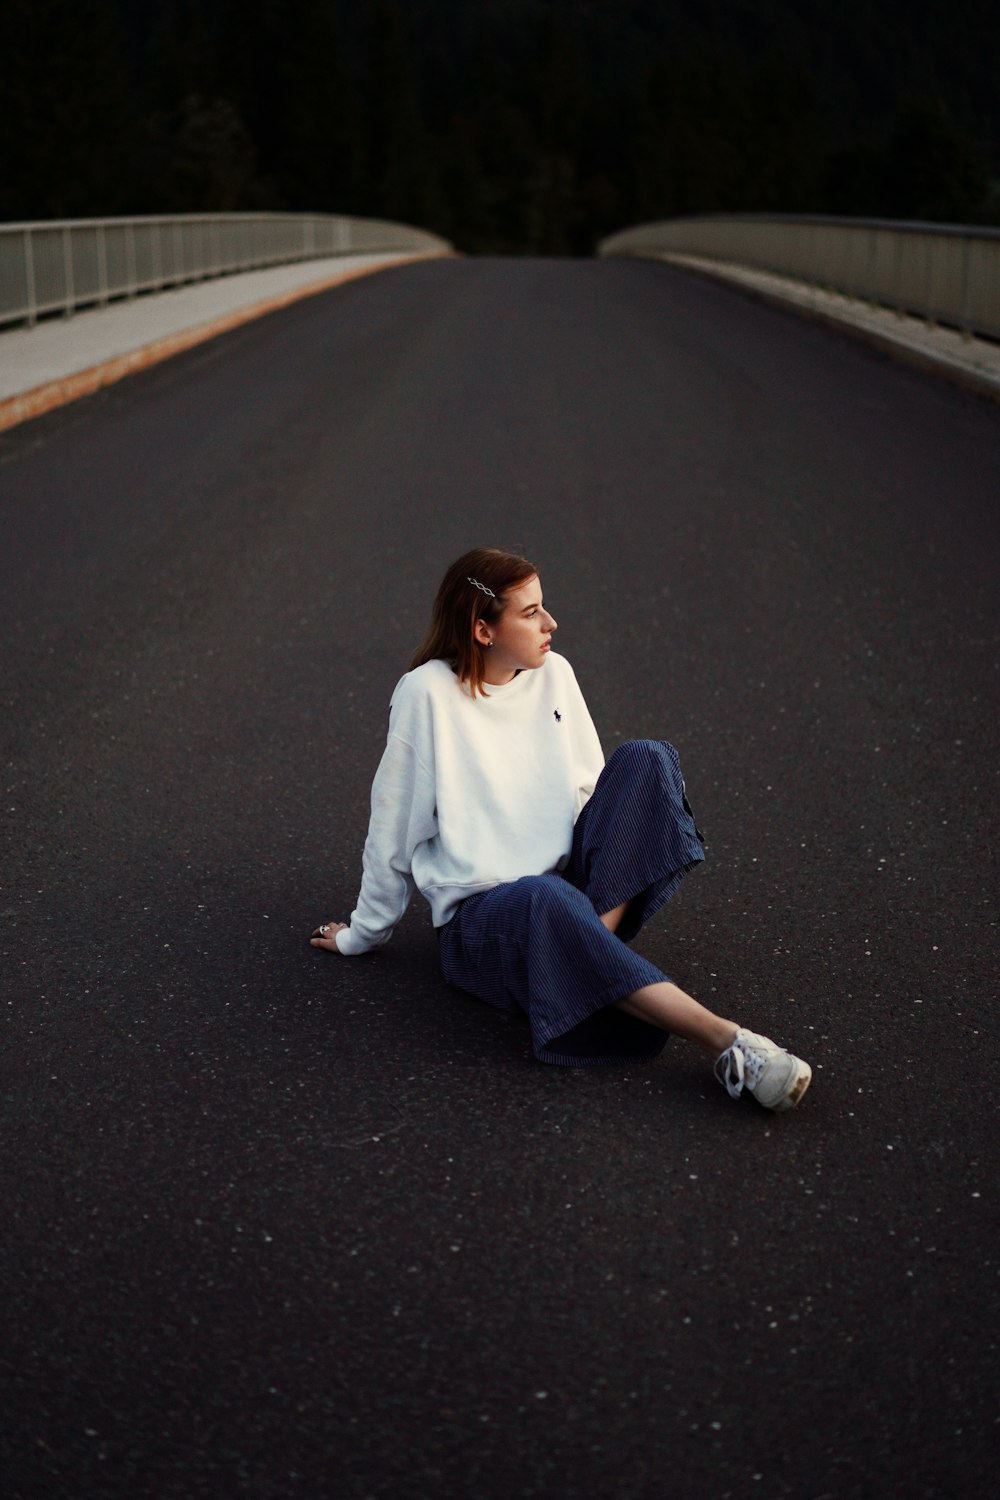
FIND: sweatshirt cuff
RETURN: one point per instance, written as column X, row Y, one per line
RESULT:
column 350, row 944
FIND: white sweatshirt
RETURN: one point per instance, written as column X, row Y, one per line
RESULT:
column 472, row 792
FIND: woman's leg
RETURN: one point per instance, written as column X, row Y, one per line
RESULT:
column 536, row 945
column 743, row 1059
column 636, row 838
column 667, row 1006
column 610, row 919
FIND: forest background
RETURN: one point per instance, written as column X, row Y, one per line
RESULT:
column 508, row 126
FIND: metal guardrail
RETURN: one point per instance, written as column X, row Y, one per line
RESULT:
column 58, row 266
column 944, row 273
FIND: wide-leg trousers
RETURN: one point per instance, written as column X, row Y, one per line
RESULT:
column 537, row 944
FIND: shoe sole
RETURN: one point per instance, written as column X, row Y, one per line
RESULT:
column 796, row 1092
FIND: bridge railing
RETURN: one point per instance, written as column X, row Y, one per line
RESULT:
column 941, row 272
column 58, row 266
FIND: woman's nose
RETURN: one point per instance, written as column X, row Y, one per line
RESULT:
column 553, row 622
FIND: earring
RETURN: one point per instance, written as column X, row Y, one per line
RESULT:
column 488, row 645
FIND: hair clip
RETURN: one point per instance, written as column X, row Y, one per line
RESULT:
column 477, row 585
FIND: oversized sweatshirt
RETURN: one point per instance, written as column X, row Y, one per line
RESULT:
column 472, row 792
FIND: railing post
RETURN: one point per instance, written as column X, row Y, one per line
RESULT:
column 70, row 284
column 157, row 258
column 102, row 268
column 929, row 317
column 965, row 296
column 29, row 278
column 130, row 260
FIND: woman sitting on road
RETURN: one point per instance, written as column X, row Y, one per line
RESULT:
column 540, row 861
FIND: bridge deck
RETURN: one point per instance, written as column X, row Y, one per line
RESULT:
column 278, row 1223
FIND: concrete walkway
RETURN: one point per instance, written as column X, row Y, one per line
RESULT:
column 970, row 362
column 61, row 359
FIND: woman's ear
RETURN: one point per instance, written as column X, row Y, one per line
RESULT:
column 481, row 633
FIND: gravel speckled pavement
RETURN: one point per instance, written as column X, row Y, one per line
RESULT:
column 278, row 1224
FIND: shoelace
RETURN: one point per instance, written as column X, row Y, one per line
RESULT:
column 730, row 1070
column 732, row 1067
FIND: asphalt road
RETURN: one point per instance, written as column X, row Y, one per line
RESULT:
column 281, row 1224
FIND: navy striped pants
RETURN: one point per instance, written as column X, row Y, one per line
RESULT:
column 537, row 945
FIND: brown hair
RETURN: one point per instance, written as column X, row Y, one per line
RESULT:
column 459, row 604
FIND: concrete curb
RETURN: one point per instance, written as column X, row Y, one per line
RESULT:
column 801, row 299
column 43, row 398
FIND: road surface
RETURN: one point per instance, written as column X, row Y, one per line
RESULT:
column 282, row 1224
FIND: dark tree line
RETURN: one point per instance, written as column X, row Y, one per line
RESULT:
column 508, row 125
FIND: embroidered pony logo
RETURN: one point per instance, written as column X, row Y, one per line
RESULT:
column 557, row 716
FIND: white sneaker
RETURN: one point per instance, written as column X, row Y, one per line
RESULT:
column 775, row 1077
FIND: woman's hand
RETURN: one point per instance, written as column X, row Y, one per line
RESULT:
column 326, row 936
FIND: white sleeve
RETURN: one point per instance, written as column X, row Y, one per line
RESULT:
column 404, row 815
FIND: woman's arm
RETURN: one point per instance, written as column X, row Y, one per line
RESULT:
column 403, row 815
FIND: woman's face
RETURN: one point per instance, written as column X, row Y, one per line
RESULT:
column 520, row 637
